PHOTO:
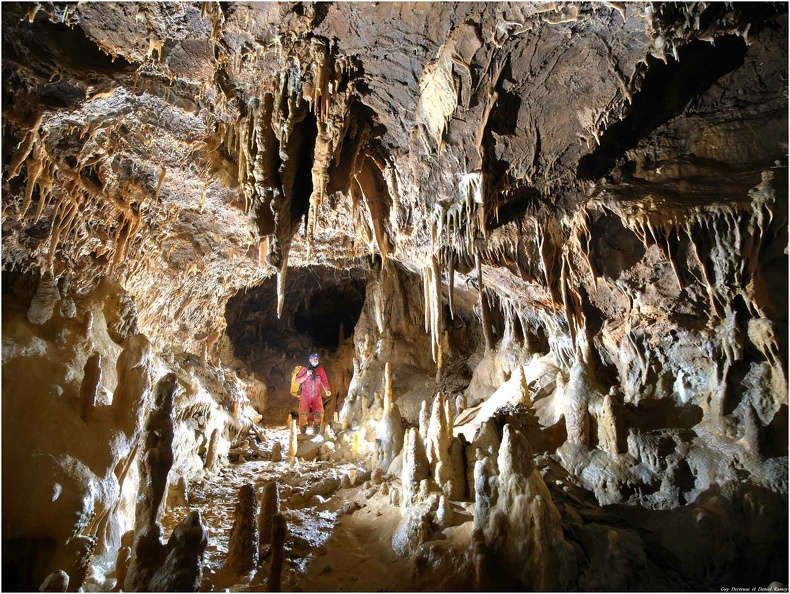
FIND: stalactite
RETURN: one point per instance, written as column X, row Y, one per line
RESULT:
column 485, row 315
column 281, row 289
column 434, row 305
column 426, row 297
column 387, row 387
column 451, row 282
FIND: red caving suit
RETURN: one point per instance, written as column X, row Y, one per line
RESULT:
column 310, row 401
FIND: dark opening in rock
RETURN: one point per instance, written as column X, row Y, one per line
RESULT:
column 322, row 316
column 318, row 300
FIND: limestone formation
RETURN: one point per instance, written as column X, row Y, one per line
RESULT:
column 390, row 430
column 135, row 380
column 279, row 532
column 541, row 249
column 244, row 536
column 212, row 455
column 524, row 522
column 43, row 303
column 122, row 566
column 293, row 428
column 277, row 452
column 269, row 506
column 425, row 420
column 415, row 467
column 157, row 453
column 90, row 384
column 55, row 582
column 174, row 567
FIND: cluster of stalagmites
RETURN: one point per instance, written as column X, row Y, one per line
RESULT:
column 258, row 533
column 152, row 566
column 599, row 440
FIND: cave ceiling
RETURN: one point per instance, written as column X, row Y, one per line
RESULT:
column 190, row 150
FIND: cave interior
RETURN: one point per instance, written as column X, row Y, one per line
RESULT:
column 540, row 249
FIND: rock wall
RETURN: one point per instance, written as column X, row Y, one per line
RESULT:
column 76, row 464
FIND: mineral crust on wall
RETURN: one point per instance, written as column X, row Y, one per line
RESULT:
column 540, row 247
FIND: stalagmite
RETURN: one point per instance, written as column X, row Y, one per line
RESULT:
column 425, row 419
column 157, row 455
column 460, row 404
column 243, row 542
column 57, row 581
column 87, row 323
column 524, row 525
column 480, row 561
column 293, row 428
column 608, row 426
column 355, row 445
column 485, row 488
column 174, row 567
column 574, row 401
column 122, row 566
column 270, row 505
column 279, row 532
column 68, row 309
column 387, row 385
column 277, row 452
column 90, row 386
column 415, row 467
column 390, row 430
column 182, row 567
column 457, row 491
column 752, row 430
column 43, row 303
column 212, row 455
column 437, row 446
column 444, row 513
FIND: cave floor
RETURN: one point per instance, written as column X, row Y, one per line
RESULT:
column 336, row 543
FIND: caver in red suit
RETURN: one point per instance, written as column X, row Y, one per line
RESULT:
column 311, row 406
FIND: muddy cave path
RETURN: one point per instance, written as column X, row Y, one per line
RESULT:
column 338, row 538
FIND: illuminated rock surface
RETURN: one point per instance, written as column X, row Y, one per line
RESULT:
column 540, row 248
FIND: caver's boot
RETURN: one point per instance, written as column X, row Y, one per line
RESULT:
column 316, row 428
column 303, row 429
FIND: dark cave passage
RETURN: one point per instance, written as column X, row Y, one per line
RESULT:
column 329, row 316
column 320, row 302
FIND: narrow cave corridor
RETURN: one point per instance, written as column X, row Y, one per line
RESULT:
column 540, row 249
